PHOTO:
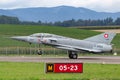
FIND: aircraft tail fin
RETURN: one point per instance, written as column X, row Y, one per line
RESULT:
column 105, row 38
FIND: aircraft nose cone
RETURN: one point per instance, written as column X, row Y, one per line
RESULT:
column 20, row 38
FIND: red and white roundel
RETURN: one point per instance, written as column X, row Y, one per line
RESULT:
column 105, row 35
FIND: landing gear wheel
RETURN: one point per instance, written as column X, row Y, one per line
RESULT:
column 73, row 55
column 39, row 52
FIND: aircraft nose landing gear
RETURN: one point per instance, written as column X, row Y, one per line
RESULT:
column 73, row 55
column 39, row 52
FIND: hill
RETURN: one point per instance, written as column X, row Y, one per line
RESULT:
column 60, row 13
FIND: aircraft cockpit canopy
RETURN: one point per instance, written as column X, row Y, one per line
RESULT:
column 41, row 35
column 45, row 35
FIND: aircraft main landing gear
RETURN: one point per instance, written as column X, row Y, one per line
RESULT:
column 73, row 55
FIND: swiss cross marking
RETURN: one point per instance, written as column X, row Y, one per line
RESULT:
column 105, row 35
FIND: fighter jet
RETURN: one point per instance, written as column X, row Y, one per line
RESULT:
column 96, row 44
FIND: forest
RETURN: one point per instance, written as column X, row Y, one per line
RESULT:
column 67, row 23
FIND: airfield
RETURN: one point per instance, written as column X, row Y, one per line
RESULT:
column 8, row 44
column 82, row 59
column 18, row 60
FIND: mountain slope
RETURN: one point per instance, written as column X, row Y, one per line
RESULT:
column 59, row 13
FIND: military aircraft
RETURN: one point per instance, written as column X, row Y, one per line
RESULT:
column 96, row 44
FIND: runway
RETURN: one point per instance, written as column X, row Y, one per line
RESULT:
column 83, row 59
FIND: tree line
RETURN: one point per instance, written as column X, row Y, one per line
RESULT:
column 9, row 20
column 105, row 22
column 68, row 23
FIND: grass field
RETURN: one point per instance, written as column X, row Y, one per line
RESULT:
column 15, row 30
column 35, row 71
column 7, row 30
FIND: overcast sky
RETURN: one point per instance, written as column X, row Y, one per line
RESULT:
column 97, row 5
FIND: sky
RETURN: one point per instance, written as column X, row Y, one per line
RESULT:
column 97, row 5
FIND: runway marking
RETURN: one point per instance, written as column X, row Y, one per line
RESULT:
column 84, row 59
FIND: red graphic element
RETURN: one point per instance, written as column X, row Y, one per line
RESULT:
column 38, row 40
column 105, row 35
column 68, row 67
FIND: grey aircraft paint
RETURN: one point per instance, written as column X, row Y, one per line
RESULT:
column 97, row 44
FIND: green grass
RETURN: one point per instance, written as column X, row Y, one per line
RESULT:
column 97, row 27
column 7, row 31
column 30, row 29
column 35, row 71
